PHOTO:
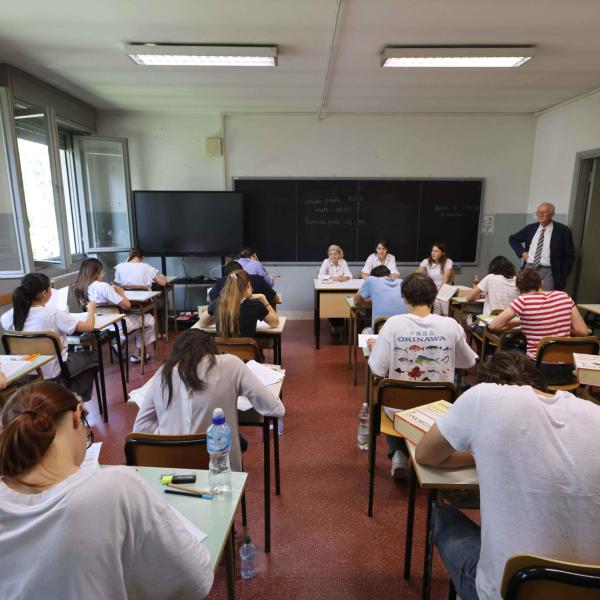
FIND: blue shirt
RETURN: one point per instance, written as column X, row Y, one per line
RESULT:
column 386, row 297
column 254, row 267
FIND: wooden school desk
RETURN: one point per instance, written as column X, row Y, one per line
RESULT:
column 34, row 364
column 592, row 319
column 143, row 302
column 213, row 517
column 250, row 418
column 459, row 307
column 433, row 480
column 330, row 301
column 273, row 333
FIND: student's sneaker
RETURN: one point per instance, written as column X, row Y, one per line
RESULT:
column 399, row 465
column 137, row 359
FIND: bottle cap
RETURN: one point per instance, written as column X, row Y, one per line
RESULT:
column 365, row 404
column 218, row 417
column 247, row 539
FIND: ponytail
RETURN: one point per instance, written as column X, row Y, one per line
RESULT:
column 232, row 295
column 32, row 285
column 29, row 422
column 89, row 271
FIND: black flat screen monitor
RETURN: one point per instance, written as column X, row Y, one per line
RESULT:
column 188, row 223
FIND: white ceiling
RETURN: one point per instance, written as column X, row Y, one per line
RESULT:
column 78, row 46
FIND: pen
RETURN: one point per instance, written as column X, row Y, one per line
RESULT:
column 184, row 488
column 181, row 493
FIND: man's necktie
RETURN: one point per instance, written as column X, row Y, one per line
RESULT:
column 537, row 258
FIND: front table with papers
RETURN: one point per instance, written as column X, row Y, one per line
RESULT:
column 330, row 301
column 213, row 517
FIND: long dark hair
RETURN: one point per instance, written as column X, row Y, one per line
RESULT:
column 189, row 349
column 29, row 422
column 232, row 295
column 500, row 265
column 89, row 271
column 443, row 257
column 32, row 285
column 511, row 368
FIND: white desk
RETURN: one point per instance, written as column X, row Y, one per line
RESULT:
column 330, row 301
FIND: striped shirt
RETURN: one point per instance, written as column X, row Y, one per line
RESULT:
column 543, row 314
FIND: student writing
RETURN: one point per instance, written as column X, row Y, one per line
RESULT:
column 95, row 533
column 194, row 381
column 89, row 286
column 30, row 313
column 136, row 272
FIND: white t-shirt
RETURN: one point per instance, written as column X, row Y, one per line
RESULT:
column 101, row 533
column 135, row 273
column 435, row 272
column 373, row 261
column 101, row 292
column 44, row 318
column 328, row 269
column 499, row 292
column 414, row 348
column 539, row 474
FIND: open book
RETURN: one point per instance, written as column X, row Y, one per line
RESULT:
column 413, row 423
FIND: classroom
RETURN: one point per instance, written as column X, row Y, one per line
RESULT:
column 321, row 257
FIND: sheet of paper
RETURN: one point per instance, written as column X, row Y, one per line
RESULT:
column 92, row 455
column 59, row 298
column 262, row 325
column 196, row 532
column 140, row 295
column 266, row 375
column 243, row 403
column 364, row 337
column 390, row 412
column 9, row 367
column 446, row 292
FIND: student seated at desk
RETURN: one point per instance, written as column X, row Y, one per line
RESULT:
column 250, row 263
column 67, row 532
column 438, row 266
column 418, row 346
column 542, row 314
column 539, row 475
column 136, row 272
column 237, row 310
column 193, row 382
column 498, row 287
column 381, row 257
column 259, row 286
column 30, row 313
column 89, row 287
column 383, row 293
column 334, row 267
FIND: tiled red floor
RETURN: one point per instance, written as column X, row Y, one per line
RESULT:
column 323, row 544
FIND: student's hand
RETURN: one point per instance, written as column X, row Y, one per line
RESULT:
column 337, row 278
column 91, row 307
column 371, row 344
column 525, row 256
column 3, row 381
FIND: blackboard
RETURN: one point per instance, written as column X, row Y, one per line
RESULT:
column 294, row 220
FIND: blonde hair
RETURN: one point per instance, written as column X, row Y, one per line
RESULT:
column 232, row 295
column 334, row 248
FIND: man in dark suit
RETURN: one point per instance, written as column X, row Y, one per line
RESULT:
column 546, row 246
column 259, row 285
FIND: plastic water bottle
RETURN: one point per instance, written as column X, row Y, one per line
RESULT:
column 363, row 427
column 218, row 441
column 280, row 425
column 248, row 559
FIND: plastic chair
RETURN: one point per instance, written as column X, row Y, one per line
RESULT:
column 48, row 343
column 558, row 352
column 528, row 577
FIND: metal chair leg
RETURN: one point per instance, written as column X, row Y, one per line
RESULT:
column 372, row 453
column 98, row 395
column 244, row 515
column 276, row 457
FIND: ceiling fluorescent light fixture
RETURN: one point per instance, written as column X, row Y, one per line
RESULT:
column 456, row 57
column 166, row 55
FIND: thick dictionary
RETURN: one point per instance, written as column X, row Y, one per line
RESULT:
column 588, row 368
column 413, row 423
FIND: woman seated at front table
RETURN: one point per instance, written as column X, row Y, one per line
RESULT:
column 30, row 313
column 237, row 310
column 381, row 257
column 136, row 272
column 67, row 532
column 182, row 395
column 89, row 286
column 437, row 265
column 334, row 267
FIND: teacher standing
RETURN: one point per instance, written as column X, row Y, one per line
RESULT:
column 546, row 246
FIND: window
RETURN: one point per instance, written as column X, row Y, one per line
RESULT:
column 70, row 195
